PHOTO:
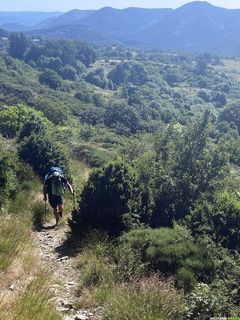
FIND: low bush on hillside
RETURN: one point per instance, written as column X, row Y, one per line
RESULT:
column 170, row 252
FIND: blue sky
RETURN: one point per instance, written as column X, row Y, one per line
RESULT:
column 65, row 5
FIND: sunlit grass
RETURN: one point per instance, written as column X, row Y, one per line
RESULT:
column 14, row 236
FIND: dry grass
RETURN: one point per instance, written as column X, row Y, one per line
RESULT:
column 146, row 299
column 24, row 285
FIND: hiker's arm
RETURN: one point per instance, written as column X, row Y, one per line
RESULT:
column 70, row 188
column 45, row 191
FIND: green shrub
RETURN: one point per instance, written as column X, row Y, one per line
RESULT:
column 205, row 302
column 107, row 201
column 51, row 79
column 146, row 299
column 42, row 152
column 171, row 252
column 8, row 180
column 219, row 219
column 12, row 119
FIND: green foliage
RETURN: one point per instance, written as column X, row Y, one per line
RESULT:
column 128, row 72
column 204, row 302
column 40, row 214
column 51, row 79
column 35, row 124
column 97, row 77
column 219, row 99
column 42, row 152
column 18, row 45
column 231, row 114
column 94, row 262
column 69, row 73
column 55, row 111
column 188, row 166
column 173, row 252
column 107, row 201
column 219, row 219
column 122, row 118
column 8, row 181
column 93, row 116
column 12, row 119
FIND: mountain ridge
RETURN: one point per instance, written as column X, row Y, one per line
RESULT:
column 195, row 26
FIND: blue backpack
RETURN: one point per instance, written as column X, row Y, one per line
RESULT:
column 53, row 169
column 57, row 186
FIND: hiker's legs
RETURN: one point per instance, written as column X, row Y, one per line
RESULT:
column 53, row 200
column 55, row 211
column 60, row 210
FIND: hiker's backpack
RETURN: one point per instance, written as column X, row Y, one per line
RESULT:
column 57, row 185
column 52, row 170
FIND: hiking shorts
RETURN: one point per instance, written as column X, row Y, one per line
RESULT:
column 55, row 200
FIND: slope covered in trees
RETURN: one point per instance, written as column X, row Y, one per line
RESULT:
column 159, row 214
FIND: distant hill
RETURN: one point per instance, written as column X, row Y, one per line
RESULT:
column 70, row 18
column 25, row 19
column 196, row 26
column 74, row 32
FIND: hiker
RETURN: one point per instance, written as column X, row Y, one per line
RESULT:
column 54, row 186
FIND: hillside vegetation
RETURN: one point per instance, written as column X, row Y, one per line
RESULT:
column 150, row 141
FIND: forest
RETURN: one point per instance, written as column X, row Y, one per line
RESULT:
column 150, row 142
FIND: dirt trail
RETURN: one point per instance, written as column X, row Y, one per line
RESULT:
column 56, row 254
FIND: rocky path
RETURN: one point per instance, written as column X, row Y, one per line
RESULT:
column 56, row 254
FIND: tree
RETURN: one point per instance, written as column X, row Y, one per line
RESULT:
column 51, row 79
column 106, row 201
column 69, row 73
column 219, row 99
column 97, row 78
column 35, row 124
column 231, row 114
column 18, row 45
column 189, row 166
column 42, row 152
column 120, row 74
column 122, row 118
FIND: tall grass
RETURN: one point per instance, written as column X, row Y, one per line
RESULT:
column 35, row 302
column 19, row 266
column 14, row 236
column 40, row 213
column 146, row 299
column 97, row 270
column 114, row 277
